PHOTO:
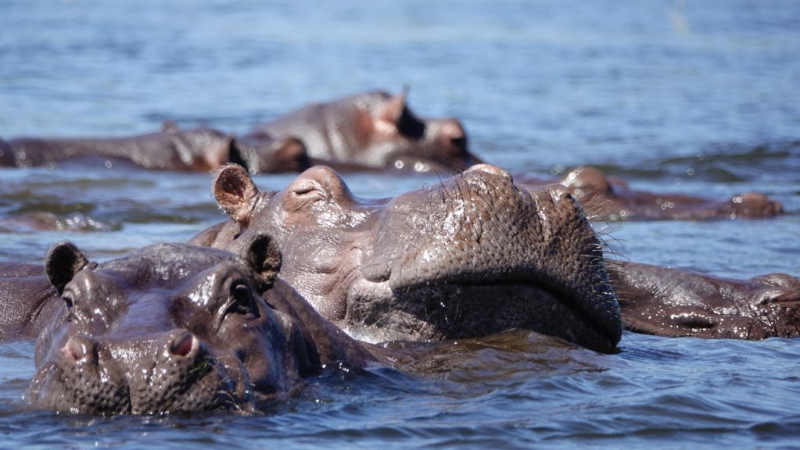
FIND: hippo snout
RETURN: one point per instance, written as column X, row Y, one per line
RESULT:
column 147, row 375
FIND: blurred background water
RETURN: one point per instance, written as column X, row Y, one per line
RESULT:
column 686, row 97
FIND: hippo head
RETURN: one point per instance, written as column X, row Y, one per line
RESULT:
column 168, row 328
column 408, row 142
column 471, row 256
column 375, row 130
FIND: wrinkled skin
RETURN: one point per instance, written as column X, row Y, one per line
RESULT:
column 472, row 256
column 168, row 328
column 609, row 199
column 374, row 130
column 672, row 302
column 199, row 149
column 328, row 248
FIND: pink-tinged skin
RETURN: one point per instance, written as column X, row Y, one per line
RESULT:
column 374, row 131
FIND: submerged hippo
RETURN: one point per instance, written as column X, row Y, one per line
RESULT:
column 472, row 256
column 168, row 328
column 469, row 257
column 610, row 199
column 199, row 149
column 672, row 302
column 374, row 130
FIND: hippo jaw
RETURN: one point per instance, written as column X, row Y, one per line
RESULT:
column 432, row 263
column 457, row 310
column 471, row 257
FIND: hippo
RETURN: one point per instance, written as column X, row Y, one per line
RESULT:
column 677, row 303
column 607, row 198
column 168, row 328
column 374, row 130
column 472, row 256
column 455, row 260
column 198, row 149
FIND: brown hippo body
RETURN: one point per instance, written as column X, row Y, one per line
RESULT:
column 607, row 198
column 374, row 130
column 199, row 149
column 168, row 328
column 351, row 257
column 673, row 302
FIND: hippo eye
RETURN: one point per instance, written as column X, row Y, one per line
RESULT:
column 68, row 299
column 307, row 188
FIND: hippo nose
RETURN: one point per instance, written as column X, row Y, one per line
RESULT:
column 80, row 348
column 183, row 344
column 560, row 194
column 490, row 169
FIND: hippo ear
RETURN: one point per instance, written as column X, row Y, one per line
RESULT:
column 264, row 257
column 62, row 262
column 169, row 126
column 389, row 116
column 234, row 192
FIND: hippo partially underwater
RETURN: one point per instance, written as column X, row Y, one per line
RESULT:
column 390, row 268
column 168, row 328
column 374, row 130
column 368, row 131
column 180, row 328
column 197, row 149
column 472, row 256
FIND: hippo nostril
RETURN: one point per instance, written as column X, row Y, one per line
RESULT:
column 78, row 348
column 559, row 193
column 183, row 344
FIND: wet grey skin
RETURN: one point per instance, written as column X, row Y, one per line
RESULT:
column 477, row 255
column 469, row 257
column 169, row 328
column 677, row 303
column 198, row 149
column 607, row 198
column 371, row 131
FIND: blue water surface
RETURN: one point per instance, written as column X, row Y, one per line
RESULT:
column 690, row 97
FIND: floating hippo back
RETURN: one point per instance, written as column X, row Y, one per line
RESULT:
column 374, row 130
column 173, row 328
column 197, row 149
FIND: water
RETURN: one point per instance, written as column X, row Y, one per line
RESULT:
column 684, row 97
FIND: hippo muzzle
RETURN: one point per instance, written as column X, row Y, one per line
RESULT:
column 174, row 372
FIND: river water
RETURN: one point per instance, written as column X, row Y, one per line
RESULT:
column 683, row 97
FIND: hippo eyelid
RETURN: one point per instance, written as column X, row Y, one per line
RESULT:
column 306, row 187
column 69, row 298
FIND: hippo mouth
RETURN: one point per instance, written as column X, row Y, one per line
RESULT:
column 456, row 309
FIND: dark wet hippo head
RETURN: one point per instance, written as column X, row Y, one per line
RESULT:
column 376, row 130
column 168, row 328
column 470, row 256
